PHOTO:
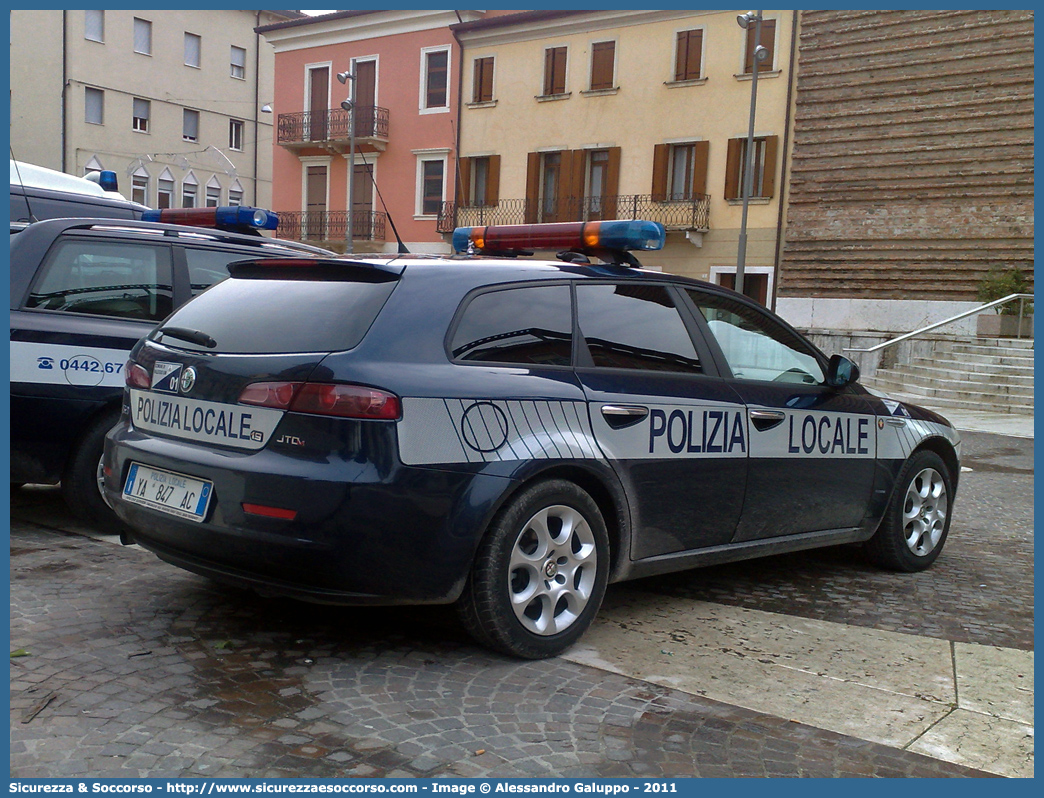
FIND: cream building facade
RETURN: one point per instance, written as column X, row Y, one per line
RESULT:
column 169, row 100
column 624, row 114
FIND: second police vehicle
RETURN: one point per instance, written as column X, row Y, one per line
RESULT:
column 83, row 291
column 509, row 435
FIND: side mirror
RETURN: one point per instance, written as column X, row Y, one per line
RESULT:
column 841, row 371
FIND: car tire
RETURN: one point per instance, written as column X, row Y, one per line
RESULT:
column 80, row 481
column 539, row 574
column 917, row 521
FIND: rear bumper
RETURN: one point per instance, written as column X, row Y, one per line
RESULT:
column 364, row 534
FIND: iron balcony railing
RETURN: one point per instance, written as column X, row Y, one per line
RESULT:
column 331, row 225
column 680, row 214
column 332, row 125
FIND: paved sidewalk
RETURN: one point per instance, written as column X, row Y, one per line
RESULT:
column 996, row 423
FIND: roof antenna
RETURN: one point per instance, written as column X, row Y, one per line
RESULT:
column 369, row 170
column 28, row 207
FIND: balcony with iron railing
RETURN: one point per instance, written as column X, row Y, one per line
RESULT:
column 331, row 225
column 674, row 214
column 331, row 130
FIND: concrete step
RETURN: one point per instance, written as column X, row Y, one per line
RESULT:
column 945, row 397
column 993, row 375
column 941, row 404
column 982, row 391
column 1003, row 351
column 973, row 368
column 1003, row 360
column 1003, row 343
column 920, row 377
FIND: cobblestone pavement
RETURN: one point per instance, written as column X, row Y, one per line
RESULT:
column 135, row 668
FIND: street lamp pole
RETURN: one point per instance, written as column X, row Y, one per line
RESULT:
column 759, row 54
column 349, row 106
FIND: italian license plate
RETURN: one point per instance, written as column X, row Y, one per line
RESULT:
column 177, row 494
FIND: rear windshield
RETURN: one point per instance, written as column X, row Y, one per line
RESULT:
column 275, row 316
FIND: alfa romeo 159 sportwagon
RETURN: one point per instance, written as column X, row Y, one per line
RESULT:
column 506, row 434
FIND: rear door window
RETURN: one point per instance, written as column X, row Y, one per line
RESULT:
column 105, row 278
column 266, row 316
column 528, row 325
column 635, row 326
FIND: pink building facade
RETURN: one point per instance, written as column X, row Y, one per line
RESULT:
column 406, row 67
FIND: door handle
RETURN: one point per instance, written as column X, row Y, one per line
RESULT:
column 895, row 422
column 766, row 419
column 620, row 416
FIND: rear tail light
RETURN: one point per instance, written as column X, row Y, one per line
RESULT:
column 136, row 376
column 324, row 399
column 269, row 394
column 349, row 401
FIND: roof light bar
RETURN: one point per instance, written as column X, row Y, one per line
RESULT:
column 225, row 217
column 617, row 234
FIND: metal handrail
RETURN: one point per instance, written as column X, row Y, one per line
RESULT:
column 1010, row 298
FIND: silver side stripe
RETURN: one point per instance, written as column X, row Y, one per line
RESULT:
column 484, row 431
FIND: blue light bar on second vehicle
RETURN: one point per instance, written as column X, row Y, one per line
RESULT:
column 617, row 234
column 225, row 217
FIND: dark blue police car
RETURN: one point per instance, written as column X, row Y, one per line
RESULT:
column 507, row 434
column 83, row 291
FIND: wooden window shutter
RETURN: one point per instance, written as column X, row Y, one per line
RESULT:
column 700, row 161
column 661, row 165
column 612, row 185
column 687, row 60
column 573, row 165
column 483, row 80
column 612, row 179
column 769, row 181
column 532, row 187
column 464, row 180
column 732, row 168
column 554, row 70
column 493, row 181
column 487, row 79
column 768, row 41
column 603, row 55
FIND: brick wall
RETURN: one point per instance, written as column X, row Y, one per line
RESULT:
column 912, row 167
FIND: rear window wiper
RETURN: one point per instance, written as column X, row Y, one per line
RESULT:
column 192, row 336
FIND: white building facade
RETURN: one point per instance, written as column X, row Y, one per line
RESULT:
column 169, row 100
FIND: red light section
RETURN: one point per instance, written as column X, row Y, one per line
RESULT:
column 565, row 235
column 196, row 217
column 136, row 376
column 270, row 512
column 270, row 394
column 346, row 401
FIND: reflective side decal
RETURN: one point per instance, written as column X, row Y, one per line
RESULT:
column 60, row 364
column 676, row 431
column 897, row 441
column 812, row 434
column 434, row 431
